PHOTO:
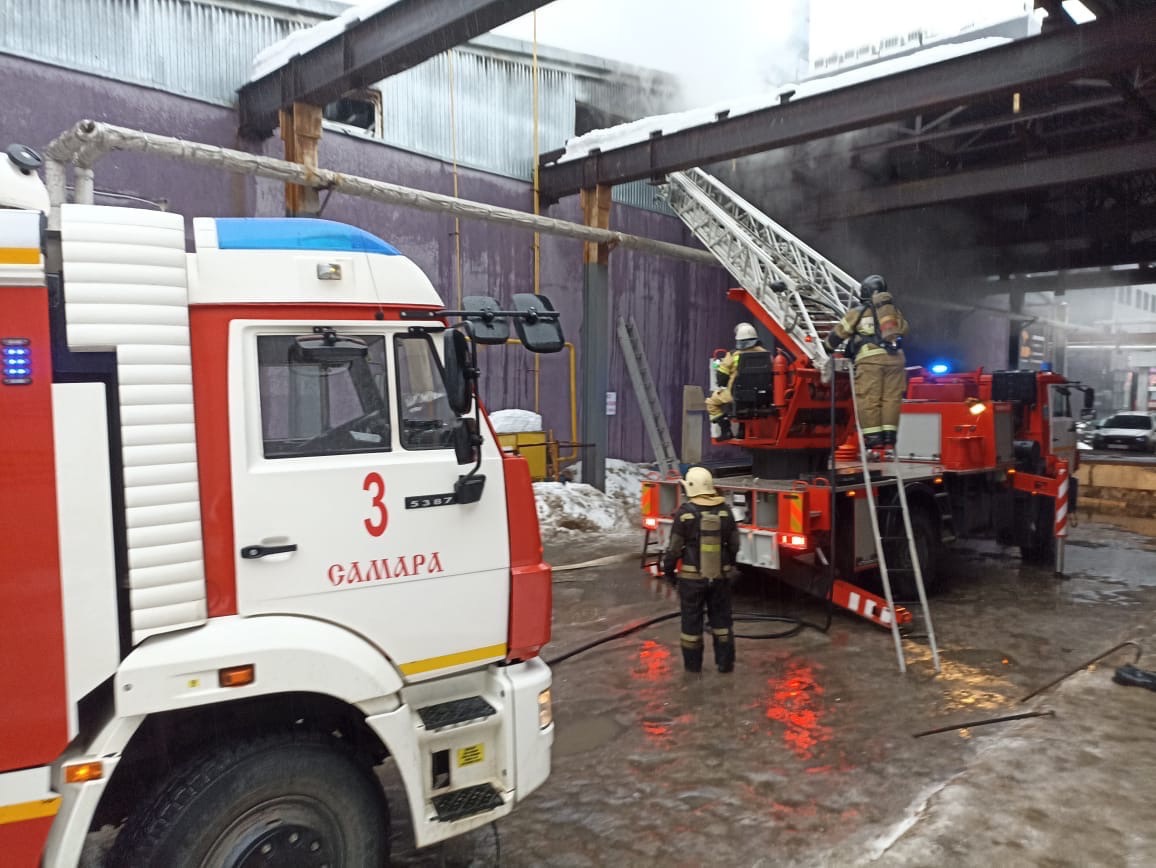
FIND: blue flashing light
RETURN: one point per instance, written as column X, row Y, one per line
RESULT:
column 16, row 365
column 940, row 368
column 297, row 233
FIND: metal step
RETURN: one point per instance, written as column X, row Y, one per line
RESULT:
column 435, row 717
column 466, row 803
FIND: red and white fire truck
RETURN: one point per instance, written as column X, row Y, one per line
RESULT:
column 981, row 454
column 253, row 543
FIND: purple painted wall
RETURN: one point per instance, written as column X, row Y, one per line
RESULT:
column 681, row 309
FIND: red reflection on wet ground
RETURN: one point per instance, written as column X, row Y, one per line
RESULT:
column 795, row 703
column 654, row 670
column 654, row 662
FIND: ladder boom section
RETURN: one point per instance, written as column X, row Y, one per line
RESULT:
column 760, row 254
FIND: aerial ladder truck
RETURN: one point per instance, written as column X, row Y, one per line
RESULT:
column 979, row 454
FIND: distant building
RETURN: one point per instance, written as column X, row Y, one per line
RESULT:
column 911, row 41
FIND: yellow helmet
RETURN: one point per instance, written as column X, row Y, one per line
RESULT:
column 698, row 482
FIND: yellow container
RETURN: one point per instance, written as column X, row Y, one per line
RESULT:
column 531, row 445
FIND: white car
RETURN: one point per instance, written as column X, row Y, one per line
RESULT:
column 1126, row 431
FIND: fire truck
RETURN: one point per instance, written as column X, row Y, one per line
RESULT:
column 979, row 454
column 257, row 537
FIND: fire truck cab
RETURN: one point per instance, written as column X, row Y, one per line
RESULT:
column 257, row 537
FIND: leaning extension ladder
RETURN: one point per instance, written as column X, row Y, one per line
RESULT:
column 760, row 253
column 652, row 416
column 885, row 571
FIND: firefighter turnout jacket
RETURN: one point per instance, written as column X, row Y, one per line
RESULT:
column 871, row 328
column 705, row 537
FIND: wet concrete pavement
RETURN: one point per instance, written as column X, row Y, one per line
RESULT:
column 805, row 755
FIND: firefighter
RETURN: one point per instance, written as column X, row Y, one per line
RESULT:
column 704, row 536
column 746, row 341
column 873, row 331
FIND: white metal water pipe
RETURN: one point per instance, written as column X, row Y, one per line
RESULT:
column 88, row 141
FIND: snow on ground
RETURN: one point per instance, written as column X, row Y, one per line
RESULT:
column 640, row 130
column 572, row 508
column 515, row 421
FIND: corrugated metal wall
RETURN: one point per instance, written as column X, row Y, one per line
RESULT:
column 203, row 50
column 493, row 101
column 681, row 309
column 194, row 49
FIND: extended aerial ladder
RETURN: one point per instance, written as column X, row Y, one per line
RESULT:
column 804, row 295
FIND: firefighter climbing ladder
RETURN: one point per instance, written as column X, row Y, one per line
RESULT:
column 648, row 403
column 760, row 253
column 908, row 538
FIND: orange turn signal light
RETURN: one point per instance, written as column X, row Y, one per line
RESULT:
column 236, row 676
column 793, row 540
column 650, row 523
column 84, row 772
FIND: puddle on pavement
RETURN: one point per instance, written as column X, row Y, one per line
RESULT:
column 585, row 734
column 1135, row 524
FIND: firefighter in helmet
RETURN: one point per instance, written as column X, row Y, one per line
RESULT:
column 873, row 331
column 746, row 341
column 705, row 538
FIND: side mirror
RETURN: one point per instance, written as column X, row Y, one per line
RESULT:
column 459, row 371
column 466, row 440
column 487, row 328
column 328, row 348
column 537, row 333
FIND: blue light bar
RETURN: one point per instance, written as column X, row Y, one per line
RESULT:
column 940, row 368
column 15, row 362
column 297, row 233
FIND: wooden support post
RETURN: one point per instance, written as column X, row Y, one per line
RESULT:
column 595, row 339
column 301, row 133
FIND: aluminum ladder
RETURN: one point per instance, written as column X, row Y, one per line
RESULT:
column 647, row 395
column 885, row 571
column 759, row 253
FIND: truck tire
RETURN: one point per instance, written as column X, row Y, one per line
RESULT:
column 1040, row 547
column 929, row 547
column 296, row 799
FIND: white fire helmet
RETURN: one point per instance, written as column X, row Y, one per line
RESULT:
column 745, row 336
column 698, row 482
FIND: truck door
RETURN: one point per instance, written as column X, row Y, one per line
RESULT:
column 343, row 474
column 1062, row 423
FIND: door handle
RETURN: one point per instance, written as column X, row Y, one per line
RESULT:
column 251, row 552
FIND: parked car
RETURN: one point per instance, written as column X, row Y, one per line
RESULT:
column 1126, row 431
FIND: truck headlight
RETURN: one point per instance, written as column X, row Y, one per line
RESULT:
column 545, row 709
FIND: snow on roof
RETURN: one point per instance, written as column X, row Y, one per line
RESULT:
column 280, row 53
column 641, row 130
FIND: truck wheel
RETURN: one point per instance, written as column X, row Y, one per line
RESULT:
column 928, row 546
column 1040, row 547
column 286, row 800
